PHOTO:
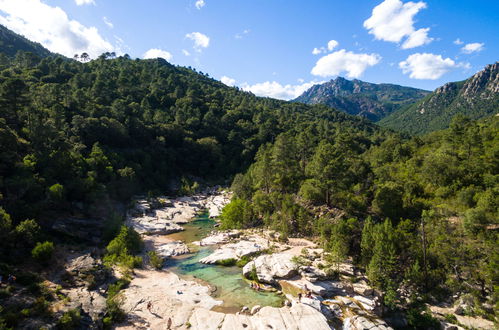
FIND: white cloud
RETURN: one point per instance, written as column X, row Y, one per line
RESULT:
column 228, row 81
column 428, row 66
column 200, row 40
column 84, row 2
column 200, row 4
column 472, row 48
column 242, row 34
column 332, row 44
column 51, row 27
column 342, row 61
column 417, row 38
column 155, row 53
column 317, row 51
column 185, row 52
column 458, row 42
column 322, row 50
column 276, row 90
column 393, row 20
column 108, row 22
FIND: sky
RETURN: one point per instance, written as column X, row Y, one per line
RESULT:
column 276, row 48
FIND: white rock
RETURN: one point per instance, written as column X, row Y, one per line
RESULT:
column 172, row 249
column 255, row 309
column 270, row 267
column 233, row 251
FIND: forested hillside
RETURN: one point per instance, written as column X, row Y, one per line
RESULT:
column 75, row 132
column 476, row 97
column 356, row 97
column 379, row 204
column 11, row 43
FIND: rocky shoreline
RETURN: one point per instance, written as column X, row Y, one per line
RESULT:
column 188, row 304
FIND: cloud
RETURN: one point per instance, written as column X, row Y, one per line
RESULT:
column 473, row 48
column 242, row 34
column 84, row 2
column 317, row 51
column 108, row 22
column 393, row 20
column 458, row 42
column 200, row 40
column 228, row 81
column 51, row 27
column 200, row 4
column 276, row 90
column 155, row 53
column 185, row 52
column 342, row 61
column 322, row 50
column 332, row 44
column 428, row 66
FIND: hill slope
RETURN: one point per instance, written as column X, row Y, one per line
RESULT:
column 11, row 43
column 356, row 97
column 476, row 97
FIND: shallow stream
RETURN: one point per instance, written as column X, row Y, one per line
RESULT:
column 230, row 286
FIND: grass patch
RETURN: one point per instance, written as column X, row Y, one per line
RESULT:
column 227, row 262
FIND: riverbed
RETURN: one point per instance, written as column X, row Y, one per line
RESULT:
column 227, row 281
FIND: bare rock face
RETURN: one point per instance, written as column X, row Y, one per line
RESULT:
column 172, row 249
column 360, row 322
column 270, row 267
column 233, row 251
column 219, row 238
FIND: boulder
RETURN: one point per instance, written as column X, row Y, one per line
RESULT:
column 82, row 229
column 91, row 302
column 219, row 238
column 312, row 274
column 360, row 322
column 152, row 225
column 255, row 309
column 270, row 267
column 362, row 288
column 175, row 248
column 233, row 251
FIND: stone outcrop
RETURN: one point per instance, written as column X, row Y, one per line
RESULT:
column 270, row 267
column 175, row 248
column 233, row 251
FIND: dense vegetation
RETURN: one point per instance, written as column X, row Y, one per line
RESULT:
column 476, row 97
column 11, row 43
column 420, row 215
column 356, row 97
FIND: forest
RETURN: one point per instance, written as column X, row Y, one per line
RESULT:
column 418, row 214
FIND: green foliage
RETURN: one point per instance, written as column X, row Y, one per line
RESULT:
column 155, row 260
column 253, row 276
column 28, row 231
column 237, row 214
column 227, row 262
column 42, row 252
column 69, row 320
column 113, row 302
column 121, row 249
column 56, row 192
column 243, row 261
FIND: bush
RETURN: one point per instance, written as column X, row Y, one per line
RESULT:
column 119, row 249
column 227, row 262
column 155, row 260
column 69, row 320
column 253, row 275
column 42, row 252
column 243, row 261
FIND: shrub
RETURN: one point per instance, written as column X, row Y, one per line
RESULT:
column 155, row 260
column 42, row 252
column 253, row 274
column 243, row 261
column 227, row 262
column 69, row 320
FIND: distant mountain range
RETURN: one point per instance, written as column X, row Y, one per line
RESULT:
column 11, row 43
column 476, row 97
column 356, row 97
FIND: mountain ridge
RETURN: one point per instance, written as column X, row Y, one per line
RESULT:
column 357, row 97
column 475, row 97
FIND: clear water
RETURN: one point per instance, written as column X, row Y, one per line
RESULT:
column 230, row 286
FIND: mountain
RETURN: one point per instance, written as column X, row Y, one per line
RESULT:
column 476, row 97
column 11, row 43
column 356, row 97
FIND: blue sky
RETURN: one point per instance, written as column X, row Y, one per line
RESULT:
column 267, row 46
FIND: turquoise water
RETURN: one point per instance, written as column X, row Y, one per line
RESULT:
column 228, row 281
